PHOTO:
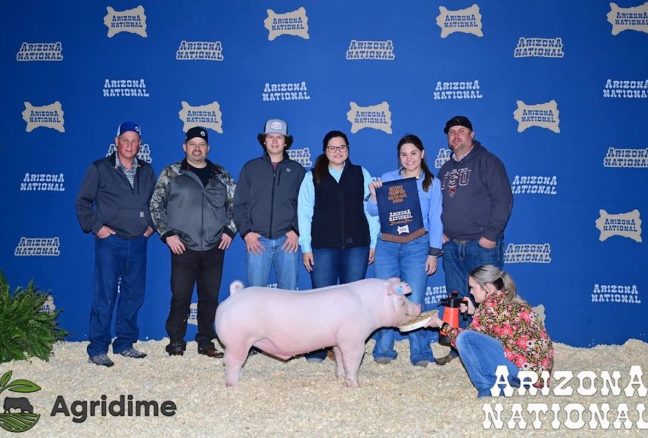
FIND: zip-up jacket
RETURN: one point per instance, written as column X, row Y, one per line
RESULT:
column 266, row 198
column 181, row 205
column 107, row 198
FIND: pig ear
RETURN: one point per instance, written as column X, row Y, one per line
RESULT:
column 394, row 280
column 397, row 289
column 400, row 288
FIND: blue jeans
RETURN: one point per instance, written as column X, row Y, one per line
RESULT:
column 284, row 263
column 117, row 258
column 406, row 261
column 461, row 257
column 333, row 266
column 481, row 355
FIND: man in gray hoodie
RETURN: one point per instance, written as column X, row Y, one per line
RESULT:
column 477, row 204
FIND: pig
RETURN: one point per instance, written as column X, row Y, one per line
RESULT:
column 285, row 323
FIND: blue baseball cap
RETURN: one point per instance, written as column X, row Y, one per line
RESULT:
column 129, row 126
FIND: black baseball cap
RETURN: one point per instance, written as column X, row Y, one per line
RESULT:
column 457, row 121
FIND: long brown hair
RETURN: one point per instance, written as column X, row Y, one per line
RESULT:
column 321, row 164
column 413, row 139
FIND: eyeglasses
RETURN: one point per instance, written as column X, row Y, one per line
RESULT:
column 342, row 148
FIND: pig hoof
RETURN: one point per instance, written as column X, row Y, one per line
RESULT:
column 351, row 384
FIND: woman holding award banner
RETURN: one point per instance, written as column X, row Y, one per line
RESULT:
column 407, row 250
column 337, row 235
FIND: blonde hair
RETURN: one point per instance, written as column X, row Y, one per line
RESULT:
column 501, row 280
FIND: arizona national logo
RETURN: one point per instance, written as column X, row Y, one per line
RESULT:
column 17, row 412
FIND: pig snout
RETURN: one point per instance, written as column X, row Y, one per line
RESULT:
column 412, row 311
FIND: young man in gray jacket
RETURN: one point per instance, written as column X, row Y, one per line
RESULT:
column 265, row 209
column 192, row 211
column 113, row 205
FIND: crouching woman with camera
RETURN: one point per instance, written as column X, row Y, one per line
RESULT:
column 504, row 331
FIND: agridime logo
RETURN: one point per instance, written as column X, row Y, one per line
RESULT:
column 18, row 413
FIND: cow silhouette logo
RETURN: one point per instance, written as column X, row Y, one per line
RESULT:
column 17, row 413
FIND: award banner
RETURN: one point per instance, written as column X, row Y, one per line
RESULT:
column 399, row 211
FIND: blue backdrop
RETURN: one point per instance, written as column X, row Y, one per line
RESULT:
column 556, row 89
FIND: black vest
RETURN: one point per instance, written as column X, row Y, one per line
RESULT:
column 339, row 220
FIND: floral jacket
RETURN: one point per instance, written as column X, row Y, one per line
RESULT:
column 524, row 337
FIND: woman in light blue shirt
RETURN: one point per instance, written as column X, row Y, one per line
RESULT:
column 412, row 261
column 337, row 235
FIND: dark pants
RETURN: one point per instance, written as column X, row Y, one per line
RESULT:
column 204, row 269
column 117, row 258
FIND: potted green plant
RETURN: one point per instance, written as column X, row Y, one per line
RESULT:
column 25, row 329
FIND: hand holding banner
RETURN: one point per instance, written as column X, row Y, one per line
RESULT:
column 399, row 210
